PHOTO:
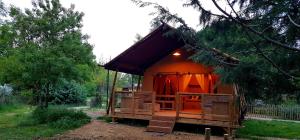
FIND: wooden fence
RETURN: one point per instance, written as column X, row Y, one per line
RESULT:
column 286, row 112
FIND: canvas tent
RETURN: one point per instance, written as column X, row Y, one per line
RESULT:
column 174, row 88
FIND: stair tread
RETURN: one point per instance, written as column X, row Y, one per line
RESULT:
column 159, row 129
column 161, row 121
column 163, row 124
column 158, row 126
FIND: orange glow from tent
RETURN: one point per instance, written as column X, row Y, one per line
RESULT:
column 176, row 54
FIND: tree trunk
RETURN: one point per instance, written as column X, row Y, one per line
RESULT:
column 46, row 95
column 40, row 102
column 39, row 96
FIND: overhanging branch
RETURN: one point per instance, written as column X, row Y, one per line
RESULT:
column 285, row 46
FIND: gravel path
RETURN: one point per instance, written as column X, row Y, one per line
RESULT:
column 100, row 130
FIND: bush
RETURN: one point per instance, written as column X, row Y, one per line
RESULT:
column 58, row 118
column 68, row 92
column 67, row 122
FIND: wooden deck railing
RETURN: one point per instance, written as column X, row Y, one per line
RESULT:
column 217, row 107
column 136, row 102
column 212, row 106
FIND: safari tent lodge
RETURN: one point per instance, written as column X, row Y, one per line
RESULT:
column 171, row 88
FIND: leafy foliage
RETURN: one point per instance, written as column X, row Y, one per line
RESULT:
column 65, row 92
column 58, row 116
column 256, row 75
column 42, row 47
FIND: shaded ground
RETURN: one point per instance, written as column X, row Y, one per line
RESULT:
column 101, row 130
column 107, row 131
column 135, row 130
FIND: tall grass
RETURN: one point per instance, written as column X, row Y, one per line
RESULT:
column 27, row 122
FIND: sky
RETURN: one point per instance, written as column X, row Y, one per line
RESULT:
column 113, row 24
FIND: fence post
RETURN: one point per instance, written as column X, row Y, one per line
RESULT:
column 207, row 133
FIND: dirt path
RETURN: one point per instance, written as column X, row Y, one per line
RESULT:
column 106, row 131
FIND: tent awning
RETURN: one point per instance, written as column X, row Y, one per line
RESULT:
column 146, row 52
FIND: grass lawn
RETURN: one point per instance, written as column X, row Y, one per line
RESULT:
column 280, row 129
column 11, row 119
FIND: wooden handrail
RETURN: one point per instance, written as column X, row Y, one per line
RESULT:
column 169, row 96
column 136, row 92
column 199, row 94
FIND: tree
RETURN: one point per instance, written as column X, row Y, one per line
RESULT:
column 253, row 72
column 48, row 47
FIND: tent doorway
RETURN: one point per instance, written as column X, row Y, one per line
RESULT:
column 166, row 86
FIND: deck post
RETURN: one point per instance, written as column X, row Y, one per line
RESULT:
column 133, row 103
column 177, row 104
column 231, row 113
column 202, row 106
column 112, row 101
column 207, row 133
column 153, row 102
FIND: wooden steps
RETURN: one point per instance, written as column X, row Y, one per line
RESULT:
column 162, row 124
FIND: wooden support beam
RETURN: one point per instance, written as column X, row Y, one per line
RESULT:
column 132, row 86
column 112, row 98
column 139, row 83
column 107, row 92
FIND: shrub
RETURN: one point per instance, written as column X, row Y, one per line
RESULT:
column 68, row 92
column 67, row 122
column 58, row 118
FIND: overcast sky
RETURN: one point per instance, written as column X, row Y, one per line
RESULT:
column 113, row 24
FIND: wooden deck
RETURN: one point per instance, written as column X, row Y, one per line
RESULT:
column 215, row 110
